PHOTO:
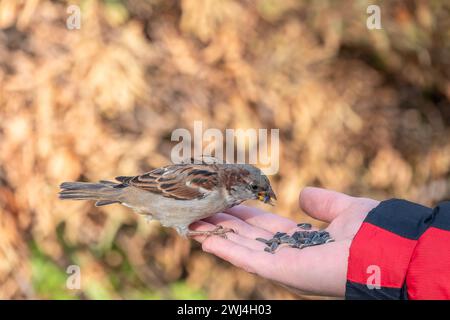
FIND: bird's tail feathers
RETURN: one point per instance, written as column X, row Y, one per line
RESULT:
column 103, row 192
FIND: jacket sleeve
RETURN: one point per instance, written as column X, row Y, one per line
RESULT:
column 401, row 251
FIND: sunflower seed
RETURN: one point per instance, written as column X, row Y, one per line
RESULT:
column 262, row 240
column 325, row 234
column 300, row 234
column 315, row 237
column 272, row 247
column 306, row 226
column 299, row 239
column 278, row 235
column 296, row 235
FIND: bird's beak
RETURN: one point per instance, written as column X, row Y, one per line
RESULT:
column 267, row 196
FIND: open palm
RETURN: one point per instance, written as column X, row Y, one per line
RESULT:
column 317, row 270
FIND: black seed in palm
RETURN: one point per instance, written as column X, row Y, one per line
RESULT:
column 305, row 226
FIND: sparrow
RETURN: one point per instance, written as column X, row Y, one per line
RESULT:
column 179, row 194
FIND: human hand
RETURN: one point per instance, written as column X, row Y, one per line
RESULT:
column 319, row 270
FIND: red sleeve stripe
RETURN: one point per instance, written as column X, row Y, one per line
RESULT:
column 378, row 254
column 429, row 272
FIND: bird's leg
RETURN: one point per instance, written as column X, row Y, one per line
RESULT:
column 218, row 231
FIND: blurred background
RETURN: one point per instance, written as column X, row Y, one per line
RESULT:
column 366, row 112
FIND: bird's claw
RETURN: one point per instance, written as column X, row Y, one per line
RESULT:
column 217, row 231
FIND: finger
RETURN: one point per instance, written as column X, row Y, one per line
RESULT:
column 241, row 227
column 261, row 219
column 251, row 244
column 235, row 253
column 325, row 205
column 234, row 237
column 242, row 257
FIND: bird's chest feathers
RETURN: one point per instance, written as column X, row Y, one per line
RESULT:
column 177, row 212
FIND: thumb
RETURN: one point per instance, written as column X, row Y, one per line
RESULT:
column 326, row 205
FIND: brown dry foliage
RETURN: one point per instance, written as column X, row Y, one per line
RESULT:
column 359, row 111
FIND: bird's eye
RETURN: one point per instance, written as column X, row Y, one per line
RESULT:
column 254, row 187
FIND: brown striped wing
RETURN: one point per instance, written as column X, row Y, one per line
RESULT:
column 181, row 182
